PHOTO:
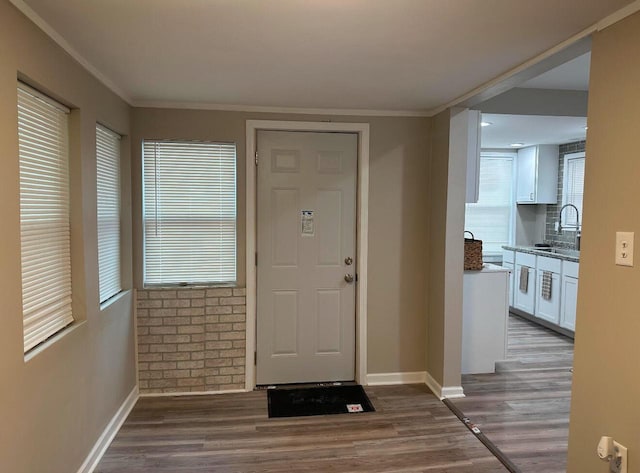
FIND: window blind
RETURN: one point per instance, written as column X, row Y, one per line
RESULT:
column 189, row 212
column 43, row 147
column 490, row 219
column 573, row 187
column 108, row 182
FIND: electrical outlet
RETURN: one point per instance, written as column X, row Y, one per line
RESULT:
column 624, row 248
column 618, row 462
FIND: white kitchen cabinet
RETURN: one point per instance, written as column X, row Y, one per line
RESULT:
column 548, row 309
column 537, row 175
column 485, row 316
column 525, row 299
column 464, row 136
column 569, row 295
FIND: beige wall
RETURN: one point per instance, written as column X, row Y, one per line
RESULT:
column 446, row 207
column 55, row 406
column 437, row 212
column 606, row 385
column 398, row 238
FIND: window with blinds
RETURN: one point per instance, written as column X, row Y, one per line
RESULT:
column 573, row 188
column 491, row 218
column 43, row 147
column 189, row 212
column 108, row 183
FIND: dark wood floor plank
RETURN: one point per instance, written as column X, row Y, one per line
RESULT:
column 410, row 432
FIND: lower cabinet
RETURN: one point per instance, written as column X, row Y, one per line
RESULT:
column 560, row 307
column 524, row 294
column 548, row 309
column 569, row 296
column 524, row 298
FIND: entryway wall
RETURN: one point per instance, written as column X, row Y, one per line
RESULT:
column 398, row 245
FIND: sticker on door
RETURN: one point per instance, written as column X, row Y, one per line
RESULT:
column 307, row 223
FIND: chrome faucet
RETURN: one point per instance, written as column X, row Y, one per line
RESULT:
column 577, row 226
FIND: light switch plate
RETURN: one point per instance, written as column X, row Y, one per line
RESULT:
column 624, row 248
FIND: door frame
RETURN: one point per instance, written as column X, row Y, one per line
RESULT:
column 362, row 233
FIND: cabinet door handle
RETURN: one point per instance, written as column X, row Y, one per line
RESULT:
column 531, row 196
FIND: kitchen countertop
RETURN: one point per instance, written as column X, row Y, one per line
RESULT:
column 557, row 253
column 489, row 268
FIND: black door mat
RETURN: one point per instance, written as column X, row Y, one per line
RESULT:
column 320, row 401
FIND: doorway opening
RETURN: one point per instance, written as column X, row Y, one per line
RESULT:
column 517, row 373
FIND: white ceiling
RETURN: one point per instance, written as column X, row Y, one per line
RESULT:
column 572, row 75
column 405, row 55
column 531, row 130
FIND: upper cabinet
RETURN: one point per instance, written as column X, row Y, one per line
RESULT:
column 537, row 175
column 464, row 138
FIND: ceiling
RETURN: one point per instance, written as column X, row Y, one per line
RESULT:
column 531, row 130
column 400, row 55
column 572, row 75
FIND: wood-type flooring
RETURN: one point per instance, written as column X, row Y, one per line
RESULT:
column 524, row 407
column 411, row 431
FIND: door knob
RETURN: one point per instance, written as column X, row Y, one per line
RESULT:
column 348, row 277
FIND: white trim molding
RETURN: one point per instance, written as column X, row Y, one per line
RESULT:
column 362, row 230
column 449, row 392
column 386, row 379
column 110, row 431
column 353, row 112
column 64, row 44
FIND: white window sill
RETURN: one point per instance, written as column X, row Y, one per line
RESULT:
column 35, row 351
column 113, row 299
column 151, row 287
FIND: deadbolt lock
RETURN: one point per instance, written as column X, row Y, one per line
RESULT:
column 348, row 261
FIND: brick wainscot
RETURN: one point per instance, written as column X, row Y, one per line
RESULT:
column 191, row 340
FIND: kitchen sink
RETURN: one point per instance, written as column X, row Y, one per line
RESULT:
column 558, row 251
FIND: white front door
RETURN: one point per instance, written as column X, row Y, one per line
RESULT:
column 306, row 248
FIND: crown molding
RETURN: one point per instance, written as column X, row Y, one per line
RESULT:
column 27, row 11
column 289, row 110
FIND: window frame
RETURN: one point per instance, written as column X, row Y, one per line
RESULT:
column 497, row 255
column 39, row 163
column 207, row 283
column 105, row 301
column 571, row 226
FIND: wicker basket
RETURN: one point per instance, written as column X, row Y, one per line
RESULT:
column 472, row 253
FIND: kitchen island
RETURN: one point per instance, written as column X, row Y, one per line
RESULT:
column 485, row 312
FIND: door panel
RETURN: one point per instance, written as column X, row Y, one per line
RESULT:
column 328, row 331
column 285, row 322
column 284, row 244
column 306, row 228
column 329, row 233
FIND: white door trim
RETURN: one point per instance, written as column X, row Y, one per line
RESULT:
column 362, row 231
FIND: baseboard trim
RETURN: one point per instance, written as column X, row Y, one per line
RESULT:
column 448, row 392
column 410, row 377
column 195, row 393
column 110, row 431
